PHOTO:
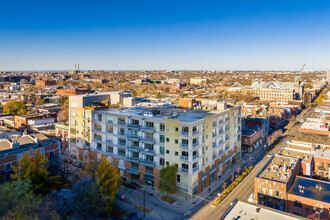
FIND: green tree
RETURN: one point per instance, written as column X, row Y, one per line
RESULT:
column 159, row 96
column 35, row 169
column 107, row 178
column 14, row 107
column 168, row 179
column 60, row 101
column 18, row 200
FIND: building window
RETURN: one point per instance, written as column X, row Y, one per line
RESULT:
column 161, row 161
column 176, row 153
column 122, row 141
column 149, row 124
column 161, row 150
column 121, row 152
column 176, row 129
column 184, row 166
column 135, row 122
column 167, row 140
column 178, row 178
column 176, row 141
column 7, row 167
column 263, row 190
column 167, row 151
column 297, row 204
column 149, row 169
column 52, row 154
column 99, row 146
column 99, row 117
column 121, row 121
column 162, row 127
column 135, row 165
column 109, row 149
column 162, row 138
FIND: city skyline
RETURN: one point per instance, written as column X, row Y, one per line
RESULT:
column 216, row 35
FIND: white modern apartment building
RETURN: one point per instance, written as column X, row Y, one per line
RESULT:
column 139, row 142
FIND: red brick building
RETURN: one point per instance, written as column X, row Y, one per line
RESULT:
column 309, row 198
column 11, row 151
column 43, row 83
column 67, row 92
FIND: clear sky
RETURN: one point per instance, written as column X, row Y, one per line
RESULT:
column 164, row 34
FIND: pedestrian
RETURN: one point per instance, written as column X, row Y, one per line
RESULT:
column 210, row 189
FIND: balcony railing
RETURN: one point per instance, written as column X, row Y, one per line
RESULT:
column 195, row 132
column 186, row 158
column 147, row 151
column 214, row 145
column 184, row 133
column 195, row 144
column 147, row 162
column 133, row 126
column 195, row 157
column 148, row 129
column 195, row 169
column 148, row 140
column 184, row 145
column 184, row 170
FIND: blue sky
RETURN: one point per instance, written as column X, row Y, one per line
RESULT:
column 155, row 34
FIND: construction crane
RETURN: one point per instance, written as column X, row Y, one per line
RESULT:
column 302, row 68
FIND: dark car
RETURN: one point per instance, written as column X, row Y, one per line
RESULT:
column 77, row 164
column 73, row 156
column 132, row 185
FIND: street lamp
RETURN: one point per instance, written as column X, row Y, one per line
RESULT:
column 219, row 194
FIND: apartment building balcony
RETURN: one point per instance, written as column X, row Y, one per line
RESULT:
column 220, row 122
column 133, row 127
column 123, row 134
column 184, row 145
column 195, row 132
column 109, row 122
column 195, row 169
column 184, row 133
column 121, row 123
column 134, row 171
column 214, row 156
column 147, row 151
column 148, row 140
column 227, row 129
column 109, row 142
column 195, row 157
column 133, row 148
column 98, row 129
column 133, row 159
column 98, row 138
column 148, row 129
column 147, row 162
column 214, row 145
column 133, row 137
column 195, row 144
column 214, row 124
column 184, row 170
column 185, row 158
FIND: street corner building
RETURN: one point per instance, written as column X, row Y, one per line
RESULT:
column 140, row 141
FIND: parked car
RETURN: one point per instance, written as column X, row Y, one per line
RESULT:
column 132, row 185
column 73, row 156
column 77, row 163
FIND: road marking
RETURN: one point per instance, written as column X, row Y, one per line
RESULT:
column 239, row 196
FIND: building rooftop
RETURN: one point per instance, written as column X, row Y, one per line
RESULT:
column 311, row 188
column 246, row 210
column 279, row 168
column 314, row 126
column 311, row 138
column 320, row 115
column 303, row 152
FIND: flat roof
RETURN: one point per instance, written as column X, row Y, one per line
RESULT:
column 311, row 138
column 278, row 168
column 314, row 126
column 246, row 210
column 192, row 116
column 306, row 187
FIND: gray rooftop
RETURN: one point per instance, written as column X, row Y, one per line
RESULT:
column 245, row 210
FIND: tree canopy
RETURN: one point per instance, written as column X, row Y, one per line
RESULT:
column 107, row 178
column 168, row 179
column 35, row 169
column 14, row 107
column 18, row 200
